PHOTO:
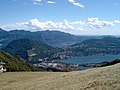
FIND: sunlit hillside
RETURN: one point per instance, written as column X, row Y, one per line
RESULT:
column 106, row 78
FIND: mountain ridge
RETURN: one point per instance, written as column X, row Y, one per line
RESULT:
column 53, row 38
column 30, row 50
column 103, row 46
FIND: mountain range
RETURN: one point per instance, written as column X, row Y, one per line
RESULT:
column 106, row 45
column 53, row 38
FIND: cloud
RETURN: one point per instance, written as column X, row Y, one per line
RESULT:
column 95, row 23
column 73, row 27
column 49, row 25
column 18, row 26
column 41, row 2
column 77, row 23
column 50, row 2
column 37, row 2
column 36, row 25
column 76, row 4
column 116, row 21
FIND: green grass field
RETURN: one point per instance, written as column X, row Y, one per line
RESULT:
column 106, row 78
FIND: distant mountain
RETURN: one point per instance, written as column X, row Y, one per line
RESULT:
column 103, row 64
column 15, row 63
column 53, row 38
column 2, row 31
column 104, row 42
column 31, row 50
column 106, row 45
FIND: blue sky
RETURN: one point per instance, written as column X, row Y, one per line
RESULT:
column 81, row 17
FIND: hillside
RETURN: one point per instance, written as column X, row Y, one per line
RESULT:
column 105, row 78
column 106, row 45
column 53, row 38
column 30, row 50
column 2, row 31
column 15, row 63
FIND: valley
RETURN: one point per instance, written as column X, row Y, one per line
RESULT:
column 35, row 48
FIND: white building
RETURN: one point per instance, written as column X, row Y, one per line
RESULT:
column 1, row 67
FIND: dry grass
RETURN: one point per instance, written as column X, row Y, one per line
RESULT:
column 107, row 78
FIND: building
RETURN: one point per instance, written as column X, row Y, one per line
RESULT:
column 1, row 67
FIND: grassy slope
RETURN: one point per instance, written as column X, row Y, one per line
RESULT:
column 105, row 78
column 14, row 63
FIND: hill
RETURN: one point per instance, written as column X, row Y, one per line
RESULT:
column 53, row 38
column 15, row 63
column 2, row 31
column 106, row 45
column 105, row 78
column 31, row 50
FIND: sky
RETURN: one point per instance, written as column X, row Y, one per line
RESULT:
column 79, row 17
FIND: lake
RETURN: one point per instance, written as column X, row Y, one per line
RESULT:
column 90, row 59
